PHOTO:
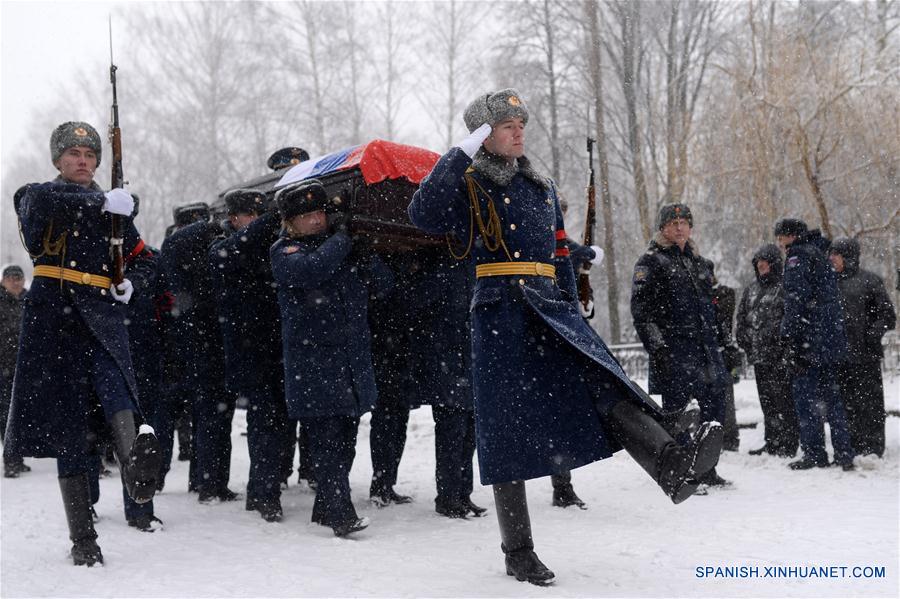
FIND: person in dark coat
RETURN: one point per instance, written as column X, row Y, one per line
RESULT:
column 759, row 335
column 725, row 302
column 392, row 358
column 549, row 396
column 199, row 347
column 175, row 387
column 74, row 371
column 441, row 367
column 868, row 315
column 251, row 330
column 675, row 318
column 12, row 289
column 812, row 330
column 324, row 283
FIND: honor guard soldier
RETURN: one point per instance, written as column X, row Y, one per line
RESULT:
column 549, row 396
column 442, row 370
column 675, row 318
column 251, row 329
column 74, row 370
column 286, row 157
column 198, row 342
column 324, row 285
column 812, row 329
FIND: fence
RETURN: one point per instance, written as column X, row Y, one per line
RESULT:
column 635, row 361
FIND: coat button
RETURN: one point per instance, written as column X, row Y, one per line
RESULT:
column 73, row 264
column 85, row 278
column 552, row 228
column 522, row 282
column 516, row 254
column 549, row 201
column 103, row 292
column 551, row 255
column 512, row 227
column 76, row 233
column 506, row 200
column 105, row 267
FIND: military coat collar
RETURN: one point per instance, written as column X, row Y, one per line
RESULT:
column 498, row 170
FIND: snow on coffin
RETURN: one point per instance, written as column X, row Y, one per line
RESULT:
column 375, row 181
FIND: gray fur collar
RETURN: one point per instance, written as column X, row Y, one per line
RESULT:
column 93, row 186
column 496, row 169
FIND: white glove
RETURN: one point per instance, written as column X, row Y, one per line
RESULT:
column 118, row 201
column 471, row 144
column 124, row 291
column 598, row 255
column 586, row 313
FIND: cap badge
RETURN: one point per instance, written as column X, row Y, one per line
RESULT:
column 80, row 132
column 514, row 101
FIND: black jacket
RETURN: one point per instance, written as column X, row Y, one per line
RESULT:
column 10, row 322
column 868, row 312
column 761, row 310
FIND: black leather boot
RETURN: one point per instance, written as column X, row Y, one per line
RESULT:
column 76, row 496
column 140, row 458
column 564, row 493
column 676, row 469
column 515, row 533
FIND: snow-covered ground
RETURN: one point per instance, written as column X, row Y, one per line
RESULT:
column 632, row 542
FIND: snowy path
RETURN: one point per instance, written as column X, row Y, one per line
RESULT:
column 632, row 542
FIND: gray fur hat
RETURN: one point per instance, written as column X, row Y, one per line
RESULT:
column 71, row 134
column 494, row 107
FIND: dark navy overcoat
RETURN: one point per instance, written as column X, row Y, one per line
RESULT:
column 248, row 307
column 437, row 297
column 534, row 415
column 323, row 294
column 74, row 342
column 812, row 324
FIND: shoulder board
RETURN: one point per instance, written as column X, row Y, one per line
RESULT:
column 290, row 249
column 792, row 261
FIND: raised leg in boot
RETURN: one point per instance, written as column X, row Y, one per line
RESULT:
column 515, row 533
column 563, row 491
column 674, row 467
column 76, row 496
column 140, row 456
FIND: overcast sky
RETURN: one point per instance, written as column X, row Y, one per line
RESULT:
column 42, row 44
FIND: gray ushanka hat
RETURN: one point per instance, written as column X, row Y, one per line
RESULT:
column 71, row 134
column 494, row 107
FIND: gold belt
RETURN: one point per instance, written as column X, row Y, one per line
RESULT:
column 72, row 276
column 499, row 269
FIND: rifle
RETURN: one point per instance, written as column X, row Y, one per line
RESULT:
column 117, row 178
column 585, row 293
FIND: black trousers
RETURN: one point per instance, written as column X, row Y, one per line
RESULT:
column 863, row 393
column 782, row 432
column 454, row 448
column 387, row 440
column 212, row 415
column 332, row 448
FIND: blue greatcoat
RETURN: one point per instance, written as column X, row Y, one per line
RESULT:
column 323, row 293
column 813, row 319
column 73, row 345
column 534, row 413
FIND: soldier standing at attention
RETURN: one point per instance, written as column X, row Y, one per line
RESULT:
column 324, row 285
column 549, row 396
column 74, row 369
